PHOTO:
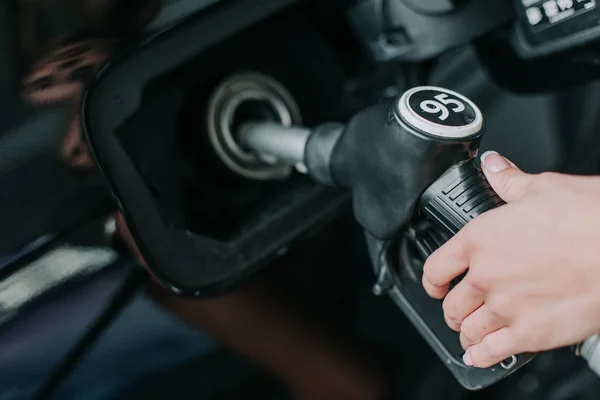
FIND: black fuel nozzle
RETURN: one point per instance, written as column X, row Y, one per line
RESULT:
column 409, row 164
column 388, row 155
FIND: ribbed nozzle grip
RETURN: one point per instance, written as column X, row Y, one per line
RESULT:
column 458, row 196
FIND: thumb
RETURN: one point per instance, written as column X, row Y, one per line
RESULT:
column 505, row 177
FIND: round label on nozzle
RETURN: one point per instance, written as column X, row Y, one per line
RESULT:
column 440, row 112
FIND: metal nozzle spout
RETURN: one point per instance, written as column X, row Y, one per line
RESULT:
column 275, row 144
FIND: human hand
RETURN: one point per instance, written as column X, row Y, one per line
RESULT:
column 533, row 280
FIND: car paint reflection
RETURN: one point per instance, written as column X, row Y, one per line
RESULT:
column 57, row 48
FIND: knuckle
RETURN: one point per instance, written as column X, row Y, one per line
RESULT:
column 506, row 184
column 486, row 349
column 500, row 305
column 469, row 330
column 466, row 342
column 450, row 310
column 430, row 271
column 488, row 353
column 479, row 278
column 463, row 342
column 548, row 176
column 452, row 324
column 467, row 337
column 546, row 180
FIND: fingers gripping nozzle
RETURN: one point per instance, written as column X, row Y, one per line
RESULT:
column 408, row 163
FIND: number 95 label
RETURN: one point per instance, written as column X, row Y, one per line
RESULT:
column 441, row 108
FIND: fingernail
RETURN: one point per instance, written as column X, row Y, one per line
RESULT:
column 493, row 162
column 467, row 359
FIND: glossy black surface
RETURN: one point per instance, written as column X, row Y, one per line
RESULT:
column 56, row 213
column 49, row 52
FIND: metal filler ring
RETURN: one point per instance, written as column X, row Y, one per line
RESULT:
column 227, row 100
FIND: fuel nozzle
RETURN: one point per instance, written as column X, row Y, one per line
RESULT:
column 387, row 155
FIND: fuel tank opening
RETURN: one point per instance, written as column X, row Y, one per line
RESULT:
column 243, row 98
